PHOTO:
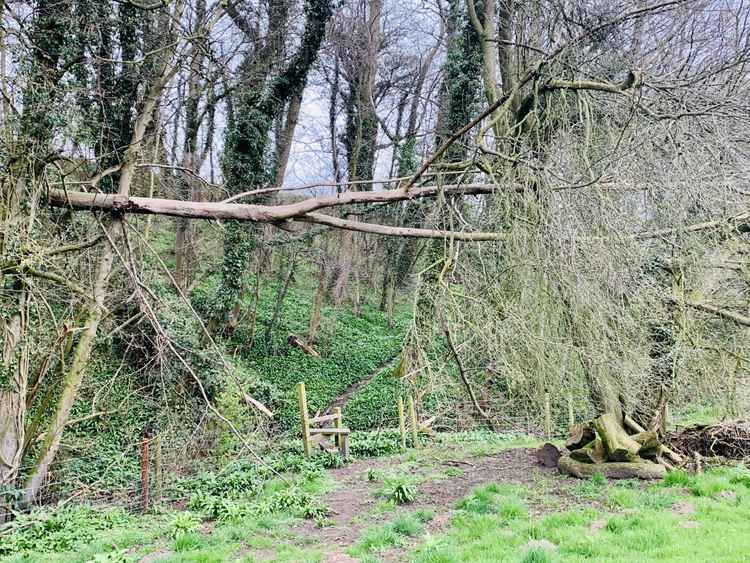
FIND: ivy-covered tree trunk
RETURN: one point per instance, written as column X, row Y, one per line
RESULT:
column 21, row 188
column 255, row 107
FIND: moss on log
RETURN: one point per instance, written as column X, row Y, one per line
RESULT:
column 592, row 452
column 619, row 446
column 640, row 469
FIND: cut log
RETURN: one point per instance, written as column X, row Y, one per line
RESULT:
column 612, row 470
column 593, row 452
column 547, row 455
column 297, row 342
column 580, row 435
column 618, row 445
column 630, row 423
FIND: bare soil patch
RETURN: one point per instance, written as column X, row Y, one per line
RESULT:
column 352, row 504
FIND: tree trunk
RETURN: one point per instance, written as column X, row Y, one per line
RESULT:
column 640, row 470
column 74, row 376
column 286, row 138
column 343, row 268
column 320, row 292
column 12, row 398
column 95, row 310
column 185, row 235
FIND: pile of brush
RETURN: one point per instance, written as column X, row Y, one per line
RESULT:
column 720, row 442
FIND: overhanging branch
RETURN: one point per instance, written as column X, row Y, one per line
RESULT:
column 305, row 211
column 389, row 230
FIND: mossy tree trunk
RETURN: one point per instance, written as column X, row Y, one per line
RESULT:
column 21, row 190
column 258, row 102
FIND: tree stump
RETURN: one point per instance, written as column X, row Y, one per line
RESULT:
column 548, row 455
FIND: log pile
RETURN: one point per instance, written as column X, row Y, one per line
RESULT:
column 616, row 450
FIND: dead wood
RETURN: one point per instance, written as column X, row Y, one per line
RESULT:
column 297, row 342
column 730, row 440
column 594, row 452
column 612, row 470
column 618, row 445
column 580, row 435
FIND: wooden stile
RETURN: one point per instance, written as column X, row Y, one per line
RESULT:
column 340, row 434
column 339, row 425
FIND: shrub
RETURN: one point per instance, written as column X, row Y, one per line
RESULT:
column 184, row 523
column 401, row 492
column 375, row 444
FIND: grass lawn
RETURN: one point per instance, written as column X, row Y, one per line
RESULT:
column 685, row 518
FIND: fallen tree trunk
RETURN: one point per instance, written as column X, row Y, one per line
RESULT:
column 297, row 342
column 612, row 470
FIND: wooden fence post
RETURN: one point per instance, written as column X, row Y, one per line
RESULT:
column 547, row 416
column 402, row 423
column 664, row 417
column 413, row 417
column 339, row 424
column 158, row 471
column 305, row 418
column 571, row 414
column 144, row 474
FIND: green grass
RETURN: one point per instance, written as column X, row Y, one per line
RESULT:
column 638, row 524
column 684, row 518
column 397, row 532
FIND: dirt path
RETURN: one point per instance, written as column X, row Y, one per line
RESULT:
column 352, row 504
column 350, row 391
